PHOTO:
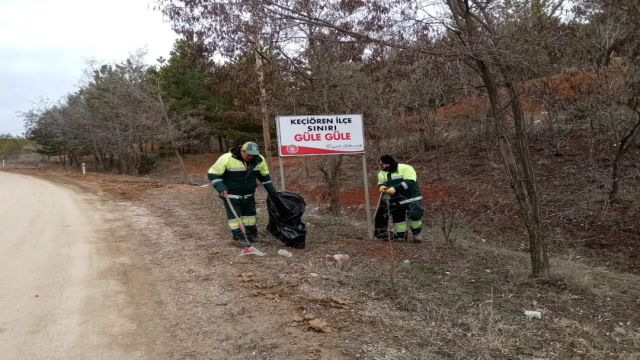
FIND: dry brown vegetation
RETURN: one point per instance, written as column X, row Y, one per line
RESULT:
column 458, row 296
column 522, row 119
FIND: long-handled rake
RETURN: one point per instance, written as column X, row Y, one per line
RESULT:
column 248, row 249
column 378, row 204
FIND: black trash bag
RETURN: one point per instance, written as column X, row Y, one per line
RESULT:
column 285, row 218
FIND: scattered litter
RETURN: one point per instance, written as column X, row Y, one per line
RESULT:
column 313, row 274
column 285, row 253
column 251, row 251
column 532, row 314
column 339, row 258
column 406, row 262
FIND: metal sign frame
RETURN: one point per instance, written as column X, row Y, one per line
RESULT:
column 365, row 179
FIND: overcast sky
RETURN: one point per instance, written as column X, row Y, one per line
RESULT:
column 45, row 46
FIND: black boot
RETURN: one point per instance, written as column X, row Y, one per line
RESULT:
column 252, row 234
column 400, row 237
column 240, row 241
column 382, row 234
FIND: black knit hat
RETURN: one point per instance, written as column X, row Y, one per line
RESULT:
column 387, row 159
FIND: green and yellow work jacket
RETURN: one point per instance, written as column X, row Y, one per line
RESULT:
column 231, row 173
column 403, row 178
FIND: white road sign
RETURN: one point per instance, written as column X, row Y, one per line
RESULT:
column 320, row 134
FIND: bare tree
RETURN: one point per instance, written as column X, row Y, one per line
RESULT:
column 479, row 31
column 617, row 90
column 109, row 117
column 171, row 124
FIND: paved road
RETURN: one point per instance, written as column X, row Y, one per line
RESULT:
column 61, row 290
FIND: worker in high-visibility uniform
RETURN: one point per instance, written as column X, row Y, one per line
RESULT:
column 234, row 175
column 402, row 198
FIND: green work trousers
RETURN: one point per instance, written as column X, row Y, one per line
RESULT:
column 245, row 207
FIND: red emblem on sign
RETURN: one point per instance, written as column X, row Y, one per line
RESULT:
column 292, row 149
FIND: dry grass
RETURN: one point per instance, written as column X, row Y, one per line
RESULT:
column 436, row 300
column 596, row 281
column 459, row 305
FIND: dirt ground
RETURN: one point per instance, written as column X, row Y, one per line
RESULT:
column 68, row 286
column 462, row 299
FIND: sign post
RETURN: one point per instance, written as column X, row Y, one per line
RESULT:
column 281, row 162
column 367, row 206
column 306, row 135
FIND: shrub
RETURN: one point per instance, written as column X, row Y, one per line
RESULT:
column 146, row 164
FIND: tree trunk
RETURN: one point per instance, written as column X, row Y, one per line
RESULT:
column 220, row 144
column 182, row 168
column 522, row 178
column 438, row 174
column 332, row 177
column 523, row 181
column 615, row 182
column 74, row 157
column 99, row 165
column 63, row 161
column 537, row 244
column 96, row 153
column 263, row 108
column 70, row 156
column 623, row 146
column 170, row 126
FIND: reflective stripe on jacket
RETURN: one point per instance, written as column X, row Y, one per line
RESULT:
column 404, row 180
column 230, row 172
